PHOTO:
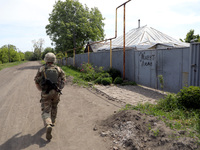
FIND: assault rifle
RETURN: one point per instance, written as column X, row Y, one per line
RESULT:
column 51, row 86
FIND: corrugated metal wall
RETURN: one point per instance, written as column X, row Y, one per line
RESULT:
column 143, row 67
column 194, row 78
column 172, row 64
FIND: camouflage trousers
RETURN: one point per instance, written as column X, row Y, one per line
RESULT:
column 49, row 103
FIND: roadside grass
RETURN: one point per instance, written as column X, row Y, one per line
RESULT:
column 71, row 71
column 87, row 75
column 179, row 119
column 42, row 62
column 7, row 65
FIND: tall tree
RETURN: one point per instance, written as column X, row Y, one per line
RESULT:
column 9, row 52
column 4, row 55
column 14, row 55
column 46, row 50
column 72, row 25
column 22, row 56
column 190, row 37
column 28, row 55
column 38, row 48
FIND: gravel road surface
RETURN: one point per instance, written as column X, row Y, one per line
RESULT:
column 21, row 125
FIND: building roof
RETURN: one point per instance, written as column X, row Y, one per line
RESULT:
column 145, row 38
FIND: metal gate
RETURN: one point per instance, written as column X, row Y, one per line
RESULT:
column 194, row 70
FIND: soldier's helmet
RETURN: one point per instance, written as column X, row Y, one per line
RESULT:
column 50, row 57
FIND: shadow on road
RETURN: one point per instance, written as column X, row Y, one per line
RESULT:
column 29, row 67
column 146, row 91
column 21, row 142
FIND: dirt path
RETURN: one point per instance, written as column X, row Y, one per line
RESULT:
column 131, row 94
column 21, row 124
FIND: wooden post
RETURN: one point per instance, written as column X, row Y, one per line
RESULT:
column 66, row 58
column 74, row 57
column 88, row 53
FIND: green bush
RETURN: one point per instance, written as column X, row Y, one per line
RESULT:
column 106, row 81
column 101, row 76
column 89, row 73
column 98, row 80
column 87, row 68
column 105, row 75
column 118, row 80
column 169, row 103
column 189, row 97
column 114, row 73
column 88, row 76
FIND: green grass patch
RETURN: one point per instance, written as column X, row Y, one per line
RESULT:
column 7, row 65
column 95, row 75
column 71, row 71
column 129, row 83
column 42, row 62
column 179, row 119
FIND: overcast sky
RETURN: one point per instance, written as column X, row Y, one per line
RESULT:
column 22, row 21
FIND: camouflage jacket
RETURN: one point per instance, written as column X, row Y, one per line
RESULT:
column 40, row 76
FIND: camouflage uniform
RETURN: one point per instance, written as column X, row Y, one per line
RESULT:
column 49, row 100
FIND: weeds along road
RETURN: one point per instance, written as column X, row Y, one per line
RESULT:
column 21, row 125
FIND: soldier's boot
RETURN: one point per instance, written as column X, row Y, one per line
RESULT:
column 48, row 132
column 48, row 123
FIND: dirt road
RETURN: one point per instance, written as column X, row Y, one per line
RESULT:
column 21, row 126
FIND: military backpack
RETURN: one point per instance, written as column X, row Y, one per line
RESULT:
column 51, row 74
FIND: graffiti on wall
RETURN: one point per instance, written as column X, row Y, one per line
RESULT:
column 146, row 59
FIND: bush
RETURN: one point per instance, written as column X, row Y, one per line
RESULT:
column 87, row 76
column 87, row 68
column 105, row 75
column 106, row 81
column 101, row 76
column 88, row 72
column 189, row 97
column 169, row 103
column 98, row 80
column 118, row 80
column 114, row 73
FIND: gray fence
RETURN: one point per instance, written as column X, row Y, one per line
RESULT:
column 172, row 64
column 194, row 70
column 145, row 66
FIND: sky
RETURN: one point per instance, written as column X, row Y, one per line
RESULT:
column 22, row 21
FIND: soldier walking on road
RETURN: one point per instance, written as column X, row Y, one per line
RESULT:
column 50, row 80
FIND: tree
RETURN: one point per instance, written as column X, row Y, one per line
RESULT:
column 9, row 54
column 11, row 51
column 96, row 25
column 46, row 50
column 38, row 48
column 59, row 55
column 72, row 25
column 190, row 37
column 22, row 55
column 28, row 55
column 14, row 56
column 4, row 55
